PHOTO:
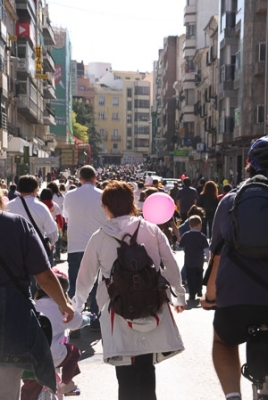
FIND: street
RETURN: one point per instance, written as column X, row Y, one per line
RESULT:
column 187, row 376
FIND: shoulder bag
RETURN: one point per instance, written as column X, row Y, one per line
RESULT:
column 45, row 241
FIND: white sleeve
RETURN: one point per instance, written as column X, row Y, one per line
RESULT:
column 87, row 273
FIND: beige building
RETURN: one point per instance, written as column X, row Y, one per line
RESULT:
column 123, row 117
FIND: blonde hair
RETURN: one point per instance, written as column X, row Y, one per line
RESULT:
column 194, row 221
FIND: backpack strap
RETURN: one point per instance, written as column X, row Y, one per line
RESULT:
column 133, row 238
column 243, row 267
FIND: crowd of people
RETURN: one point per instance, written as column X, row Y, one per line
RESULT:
column 83, row 215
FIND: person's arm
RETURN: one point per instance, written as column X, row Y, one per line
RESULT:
column 209, row 299
column 48, row 281
column 175, row 230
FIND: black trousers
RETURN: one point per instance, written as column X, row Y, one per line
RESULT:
column 137, row 381
column 194, row 279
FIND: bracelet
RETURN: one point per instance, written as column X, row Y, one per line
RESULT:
column 209, row 301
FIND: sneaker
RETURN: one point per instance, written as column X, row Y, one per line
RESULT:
column 67, row 387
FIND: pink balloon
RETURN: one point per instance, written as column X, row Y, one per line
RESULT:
column 158, row 208
column 5, row 199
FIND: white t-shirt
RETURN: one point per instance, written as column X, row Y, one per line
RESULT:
column 40, row 213
column 84, row 212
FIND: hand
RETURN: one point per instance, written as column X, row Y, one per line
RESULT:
column 207, row 304
column 67, row 309
column 179, row 309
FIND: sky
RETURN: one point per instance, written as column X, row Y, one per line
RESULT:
column 127, row 34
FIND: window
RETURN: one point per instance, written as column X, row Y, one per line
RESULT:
column 101, row 101
column 142, row 90
column 141, row 142
column 22, row 51
column 129, row 105
column 101, row 115
column 82, row 88
column 261, row 52
column 22, row 87
column 115, row 116
column 129, row 92
column 115, row 146
column 115, row 134
column 129, row 145
column 129, row 119
column 142, row 117
column 142, row 129
column 142, row 104
column 129, row 131
column 190, row 31
column 260, row 114
column 189, row 97
column 115, row 101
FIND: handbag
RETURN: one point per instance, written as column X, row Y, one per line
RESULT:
column 44, row 322
column 46, row 243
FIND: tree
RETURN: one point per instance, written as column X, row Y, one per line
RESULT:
column 85, row 116
column 80, row 131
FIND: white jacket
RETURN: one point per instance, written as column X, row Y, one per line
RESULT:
column 120, row 341
column 50, row 309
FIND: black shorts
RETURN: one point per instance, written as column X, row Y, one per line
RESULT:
column 231, row 323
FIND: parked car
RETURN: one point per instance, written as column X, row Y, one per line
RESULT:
column 169, row 183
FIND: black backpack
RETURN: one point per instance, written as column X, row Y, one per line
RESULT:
column 135, row 287
column 250, row 219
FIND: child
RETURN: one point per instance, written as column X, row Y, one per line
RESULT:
column 194, row 244
column 65, row 355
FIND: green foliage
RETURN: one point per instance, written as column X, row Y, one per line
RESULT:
column 80, row 131
column 85, row 117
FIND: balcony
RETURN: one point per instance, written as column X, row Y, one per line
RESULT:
column 12, row 130
column 116, row 138
column 48, row 90
column 48, row 62
column 28, row 108
column 3, row 77
column 226, row 127
column 48, row 32
column 48, row 117
column 25, row 67
column 26, row 8
column 189, row 14
column 3, row 28
column 17, row 144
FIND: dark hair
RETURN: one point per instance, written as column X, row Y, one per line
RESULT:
column 13, row 187
column 195, row 210
column 62, row 187
column 27, row 184
column 227, row 188
column 150, row 190
column 54, row 188
column 87, row 172
column 187, row 181
column 140, row 185
column 210, row 189
column 46, row 194
column 118, row 197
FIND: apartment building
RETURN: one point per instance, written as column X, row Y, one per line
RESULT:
column 243, row 81
column 8, row 17
column 30, row 75
column 122, row 117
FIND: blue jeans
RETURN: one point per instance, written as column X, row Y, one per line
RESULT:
column 74, row 260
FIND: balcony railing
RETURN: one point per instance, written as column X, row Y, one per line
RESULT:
column 3, row 64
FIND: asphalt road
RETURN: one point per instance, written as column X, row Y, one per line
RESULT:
column 188, row 376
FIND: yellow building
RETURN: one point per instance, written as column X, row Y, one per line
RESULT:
column 122, row 117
